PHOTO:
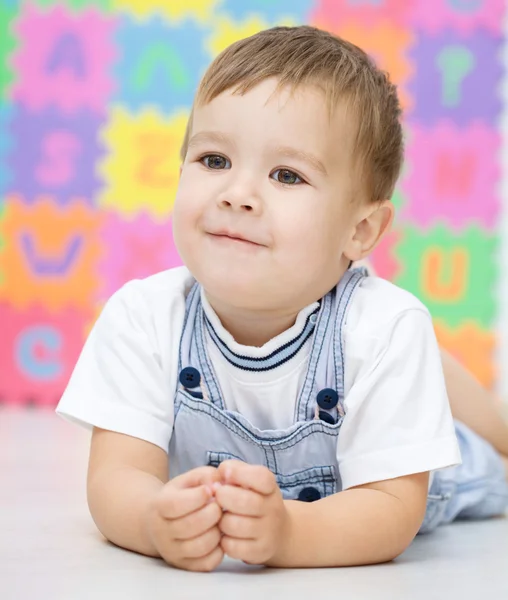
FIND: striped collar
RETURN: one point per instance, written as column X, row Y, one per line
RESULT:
column 271, row 355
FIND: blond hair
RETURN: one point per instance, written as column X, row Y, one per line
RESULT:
column 305, row 55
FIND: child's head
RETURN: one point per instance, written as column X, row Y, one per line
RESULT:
column 294, row 144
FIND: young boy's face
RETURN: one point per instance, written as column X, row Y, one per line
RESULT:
column 265, row 212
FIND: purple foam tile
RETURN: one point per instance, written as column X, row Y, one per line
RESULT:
column 55, row 154
column 456, row 77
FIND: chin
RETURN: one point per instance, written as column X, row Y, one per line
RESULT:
column 241, row 290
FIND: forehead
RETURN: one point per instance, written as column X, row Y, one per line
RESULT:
column 292, row 116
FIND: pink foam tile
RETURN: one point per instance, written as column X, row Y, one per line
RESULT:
column 38, row 352
column 63, row 59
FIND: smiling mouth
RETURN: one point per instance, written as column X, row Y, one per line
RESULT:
column 228, row 238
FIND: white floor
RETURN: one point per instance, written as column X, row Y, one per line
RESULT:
column 50, row 549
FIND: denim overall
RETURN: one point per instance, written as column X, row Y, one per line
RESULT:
column 303, row 456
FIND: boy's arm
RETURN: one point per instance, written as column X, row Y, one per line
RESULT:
column 124, row 475
column 371, row 523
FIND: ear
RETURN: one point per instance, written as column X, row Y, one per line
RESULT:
column 374, row 222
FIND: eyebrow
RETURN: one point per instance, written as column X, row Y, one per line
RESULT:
column 307, row 157
column 209, row 136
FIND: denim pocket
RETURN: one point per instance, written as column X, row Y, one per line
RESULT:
column 308, row 485
column 216, row 458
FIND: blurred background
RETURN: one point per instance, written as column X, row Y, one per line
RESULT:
column 94, row 98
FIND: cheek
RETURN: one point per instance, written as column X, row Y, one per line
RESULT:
column 312, row 239
column 301, row 231
column 187, row 206
column 184, row 219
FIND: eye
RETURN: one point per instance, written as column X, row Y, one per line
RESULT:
column 287, row 177
column 215, row 161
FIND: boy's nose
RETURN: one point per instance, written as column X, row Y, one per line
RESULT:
column 239, row 198
column 246, row 206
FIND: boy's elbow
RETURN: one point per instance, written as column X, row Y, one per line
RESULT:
column 395, row 545
column 399, row 547
column 404, row 534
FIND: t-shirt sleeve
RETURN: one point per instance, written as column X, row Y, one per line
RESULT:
column 118, row 382
column 398, row 419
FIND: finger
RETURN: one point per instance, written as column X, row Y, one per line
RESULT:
column 240, row 501
column 254, row 477
column 196, row 523
column 176, row 503
column 201, row 545
column 206, row 563
column 196, row 477
column 247, row 550
column 238, row 526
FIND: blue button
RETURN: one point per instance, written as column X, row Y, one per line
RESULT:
column 309, row 494
column 326, row 417
column 190, row 377
column 327, row 399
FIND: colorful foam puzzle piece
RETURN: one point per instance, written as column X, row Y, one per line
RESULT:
column 38, row 352
column 449, row 72
column 50, row 254
column 452, row 168
column 134, row 249
column 159, row 64
column 55, row 153
column 58, row 63
column 142, row 168
column 453, row 275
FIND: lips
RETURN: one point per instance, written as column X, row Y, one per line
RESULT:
column 235, row 236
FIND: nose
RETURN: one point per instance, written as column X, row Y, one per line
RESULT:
column 244, row 206
column 239, row 198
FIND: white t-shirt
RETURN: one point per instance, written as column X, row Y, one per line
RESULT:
column 398, row 419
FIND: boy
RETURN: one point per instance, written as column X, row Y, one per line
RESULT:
column 298, row 405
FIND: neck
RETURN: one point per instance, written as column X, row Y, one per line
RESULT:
column 250, row 328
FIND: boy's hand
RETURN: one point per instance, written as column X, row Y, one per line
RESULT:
column 255, row 522
column 183, row 519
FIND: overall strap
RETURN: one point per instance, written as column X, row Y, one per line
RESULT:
column 326, row 362
column 193, row 353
